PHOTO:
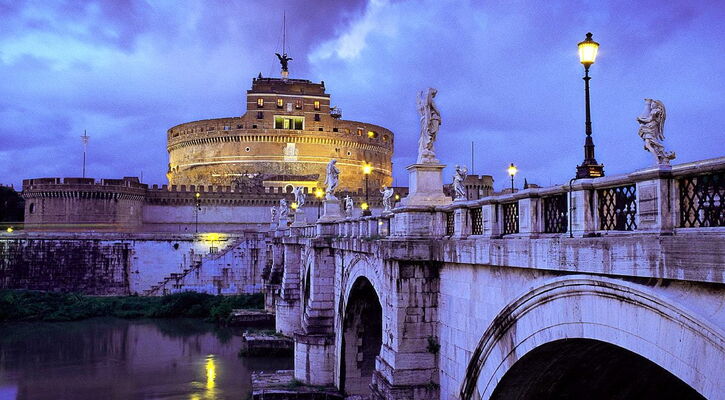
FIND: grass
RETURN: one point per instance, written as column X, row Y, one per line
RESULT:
column 26, row 305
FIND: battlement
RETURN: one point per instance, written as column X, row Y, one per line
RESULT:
column 81, row 183
column 289, row 86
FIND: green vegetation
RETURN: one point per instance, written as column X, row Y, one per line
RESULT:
column 25, row 305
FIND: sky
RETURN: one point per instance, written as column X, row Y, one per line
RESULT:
column 507, row 74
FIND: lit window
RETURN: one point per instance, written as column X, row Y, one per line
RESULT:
column 317, row 104
column 280, row 103
column 372, row 134
column 260, row 102
column 385, row 138
column 285, row 122
column 359, row 131
column 298, row 104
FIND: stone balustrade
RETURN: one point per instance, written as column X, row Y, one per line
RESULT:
column 653, row 200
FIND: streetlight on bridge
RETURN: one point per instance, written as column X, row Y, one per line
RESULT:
column 512, row 170
column 318, row 194
column 589, row 167
column 367, row 169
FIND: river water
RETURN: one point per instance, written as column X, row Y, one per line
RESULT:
column 108, row 358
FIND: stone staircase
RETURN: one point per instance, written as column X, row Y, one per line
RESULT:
column 174, row 282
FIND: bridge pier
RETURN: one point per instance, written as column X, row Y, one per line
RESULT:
column 288, row 303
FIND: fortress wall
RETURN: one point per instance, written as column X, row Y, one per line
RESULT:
column 122, row 264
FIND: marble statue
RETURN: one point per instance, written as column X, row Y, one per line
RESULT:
column 348, row 206
column 430, row 121
column 331, row 180
column 387, row 195
column 273, row 211
column 283, row 208
column 299, row 196
column 651, row 130
column 458, row 178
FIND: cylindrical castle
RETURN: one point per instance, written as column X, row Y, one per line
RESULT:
column 286, row 138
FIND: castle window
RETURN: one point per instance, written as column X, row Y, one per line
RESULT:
column 349, row 153
column 372, row 134
column 239, row 127
column 247, row 149
column 260, row 102
column 317, row 104
column 359, row 131
column 298, row 104
column 227, row 128
column 260, row 115
column 280, row 103
column 319, row 129
column 254, row 126
column 334, row 129
column 31, row 209
column 385, row 138
column 317, row 117
column 289, row 122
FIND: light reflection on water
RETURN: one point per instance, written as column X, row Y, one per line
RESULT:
column 119, row 359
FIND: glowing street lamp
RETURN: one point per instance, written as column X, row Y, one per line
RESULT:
column 367, row 169
column 512, row 170
column 319, row 193
column 365, row 207
column 589, row 168
column 197, row 208
column 10, row 229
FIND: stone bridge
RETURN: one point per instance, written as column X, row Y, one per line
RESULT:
column 607, row 288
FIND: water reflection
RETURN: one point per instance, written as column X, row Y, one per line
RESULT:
column 119, row 359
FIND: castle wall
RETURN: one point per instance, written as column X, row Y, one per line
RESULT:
column 122, row 264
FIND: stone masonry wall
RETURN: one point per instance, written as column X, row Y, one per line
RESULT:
column 81, row 265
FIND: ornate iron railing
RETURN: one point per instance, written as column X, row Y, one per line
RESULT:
column 510, row 218
column 555, row 214
column 701, row 200
column 476, row 221
column 450, row 223
column 618, row 208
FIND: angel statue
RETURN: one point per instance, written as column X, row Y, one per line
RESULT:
column 387, row 195
column 331, row 180
column 458, row 178
column 284, row 60
column 273, row 211
column 651, row 130
column 299, row 196
column 348, row 206
column 430, row 121
column 283, row 208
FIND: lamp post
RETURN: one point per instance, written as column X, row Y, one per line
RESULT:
column 319, row 193
column 197, row 208
column 367, row 170
column 589, row 167
column 512, row 170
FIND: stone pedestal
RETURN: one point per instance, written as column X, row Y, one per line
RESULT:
column 300, row 218
column 330, row 211
column 656, row 200
column 426, row 186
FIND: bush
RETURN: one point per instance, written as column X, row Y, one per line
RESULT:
column 26, row 305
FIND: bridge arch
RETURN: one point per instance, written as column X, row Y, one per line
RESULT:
column 595, row 313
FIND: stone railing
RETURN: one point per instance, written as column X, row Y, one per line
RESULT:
column 654, row 200
column 659, row 200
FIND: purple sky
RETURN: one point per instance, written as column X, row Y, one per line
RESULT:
column 507, row 73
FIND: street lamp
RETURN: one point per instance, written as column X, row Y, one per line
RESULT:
column 197, row 208
column 589, row 168
column 512, row 170
column 319, row 193
column 366, row 208
column 367, row 170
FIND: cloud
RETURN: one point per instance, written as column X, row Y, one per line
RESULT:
column 507, row 75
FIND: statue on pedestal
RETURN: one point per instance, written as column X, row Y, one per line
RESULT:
column 651, row 130
column 430, row 121
column 458, row 178
column 299, row 196
column 348, row 206
column 387, row 195
column 283, row 208
column 284, row 60
column 331, row 180
column 273, row 211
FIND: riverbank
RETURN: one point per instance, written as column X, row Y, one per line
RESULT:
column 26, row 305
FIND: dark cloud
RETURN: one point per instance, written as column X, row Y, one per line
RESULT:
column 507, row 75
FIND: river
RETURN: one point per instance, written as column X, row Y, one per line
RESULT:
column 108, row 358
